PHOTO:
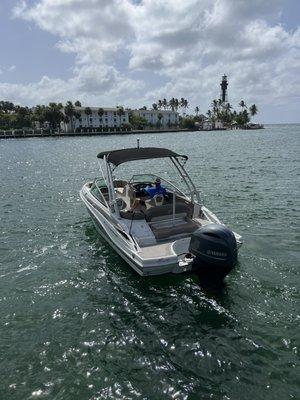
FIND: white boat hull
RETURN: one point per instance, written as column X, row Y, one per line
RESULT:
column 131, row 255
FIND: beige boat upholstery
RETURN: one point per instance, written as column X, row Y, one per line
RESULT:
column 159, row 216
column 129, row 194
column 156, row 201
column 166, row 210
column 181, row 228
column 165, row 225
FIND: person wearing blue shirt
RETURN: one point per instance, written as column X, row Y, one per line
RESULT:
column 149, row 192
column 158, row 189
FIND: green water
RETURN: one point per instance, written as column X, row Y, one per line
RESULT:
column 78, row 323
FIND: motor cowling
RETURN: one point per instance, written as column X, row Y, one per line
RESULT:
column 215, row 250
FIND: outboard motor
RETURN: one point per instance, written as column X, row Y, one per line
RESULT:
column 215, row 250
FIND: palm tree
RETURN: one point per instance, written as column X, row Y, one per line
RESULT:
column 88, row 112
column 53, row 115
column 181, row 103
column 253, row 110
column 172, row 103
column 39, row 114
column 176, row 104
column 69, row 111
column 77, row 103
column 154, row 106
column 100, row 113
column 165, row 104
column 215, row 107
column 228, row 108
column 159, row 104
column 242, row 104
column 186, row 105
column 197, row 110
column 120, row 112
column 160, row 116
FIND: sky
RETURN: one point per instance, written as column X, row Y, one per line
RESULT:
column 132, row 53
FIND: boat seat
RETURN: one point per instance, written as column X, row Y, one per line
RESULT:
column 166, row 210
column 132, row 215
column 156, row 201
column 182, row 227
column 129, row 193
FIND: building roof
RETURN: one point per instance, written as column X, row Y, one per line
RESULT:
column 97, row 108
column 118, row 157
column 156, row 111
column 115, row 109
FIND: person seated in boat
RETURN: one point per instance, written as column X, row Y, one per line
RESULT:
column 157, row 189
column 148, row 193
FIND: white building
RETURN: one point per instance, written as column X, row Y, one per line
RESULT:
column 219, row 125
column 168, row 118
column 207, row 126
column 105, row 118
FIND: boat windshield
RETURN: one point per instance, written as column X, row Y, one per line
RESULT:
column 150, row 178
column 100, row 182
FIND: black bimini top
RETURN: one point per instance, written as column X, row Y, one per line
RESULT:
column 118, row 157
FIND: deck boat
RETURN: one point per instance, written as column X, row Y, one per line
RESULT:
column 172, row 233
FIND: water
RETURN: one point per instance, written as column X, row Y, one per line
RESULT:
column 78, row 323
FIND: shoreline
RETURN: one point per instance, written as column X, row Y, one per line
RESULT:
column 24, row 134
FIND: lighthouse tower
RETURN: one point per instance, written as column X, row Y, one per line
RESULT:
column 224, row 85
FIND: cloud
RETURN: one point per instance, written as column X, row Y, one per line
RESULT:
column 92, row 85
column 11, row 68
column 189, row 44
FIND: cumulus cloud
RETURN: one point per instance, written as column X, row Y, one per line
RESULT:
column 187, row 44
column 92, row 85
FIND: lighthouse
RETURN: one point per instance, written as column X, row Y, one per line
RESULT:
column 224, row 85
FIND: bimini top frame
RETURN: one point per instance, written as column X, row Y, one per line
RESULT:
column 117, row 157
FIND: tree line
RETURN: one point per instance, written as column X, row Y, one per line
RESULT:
column 18, row 117
column 173, row 104
column 225, row 113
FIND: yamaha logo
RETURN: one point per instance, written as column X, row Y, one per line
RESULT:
column 216, row 253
